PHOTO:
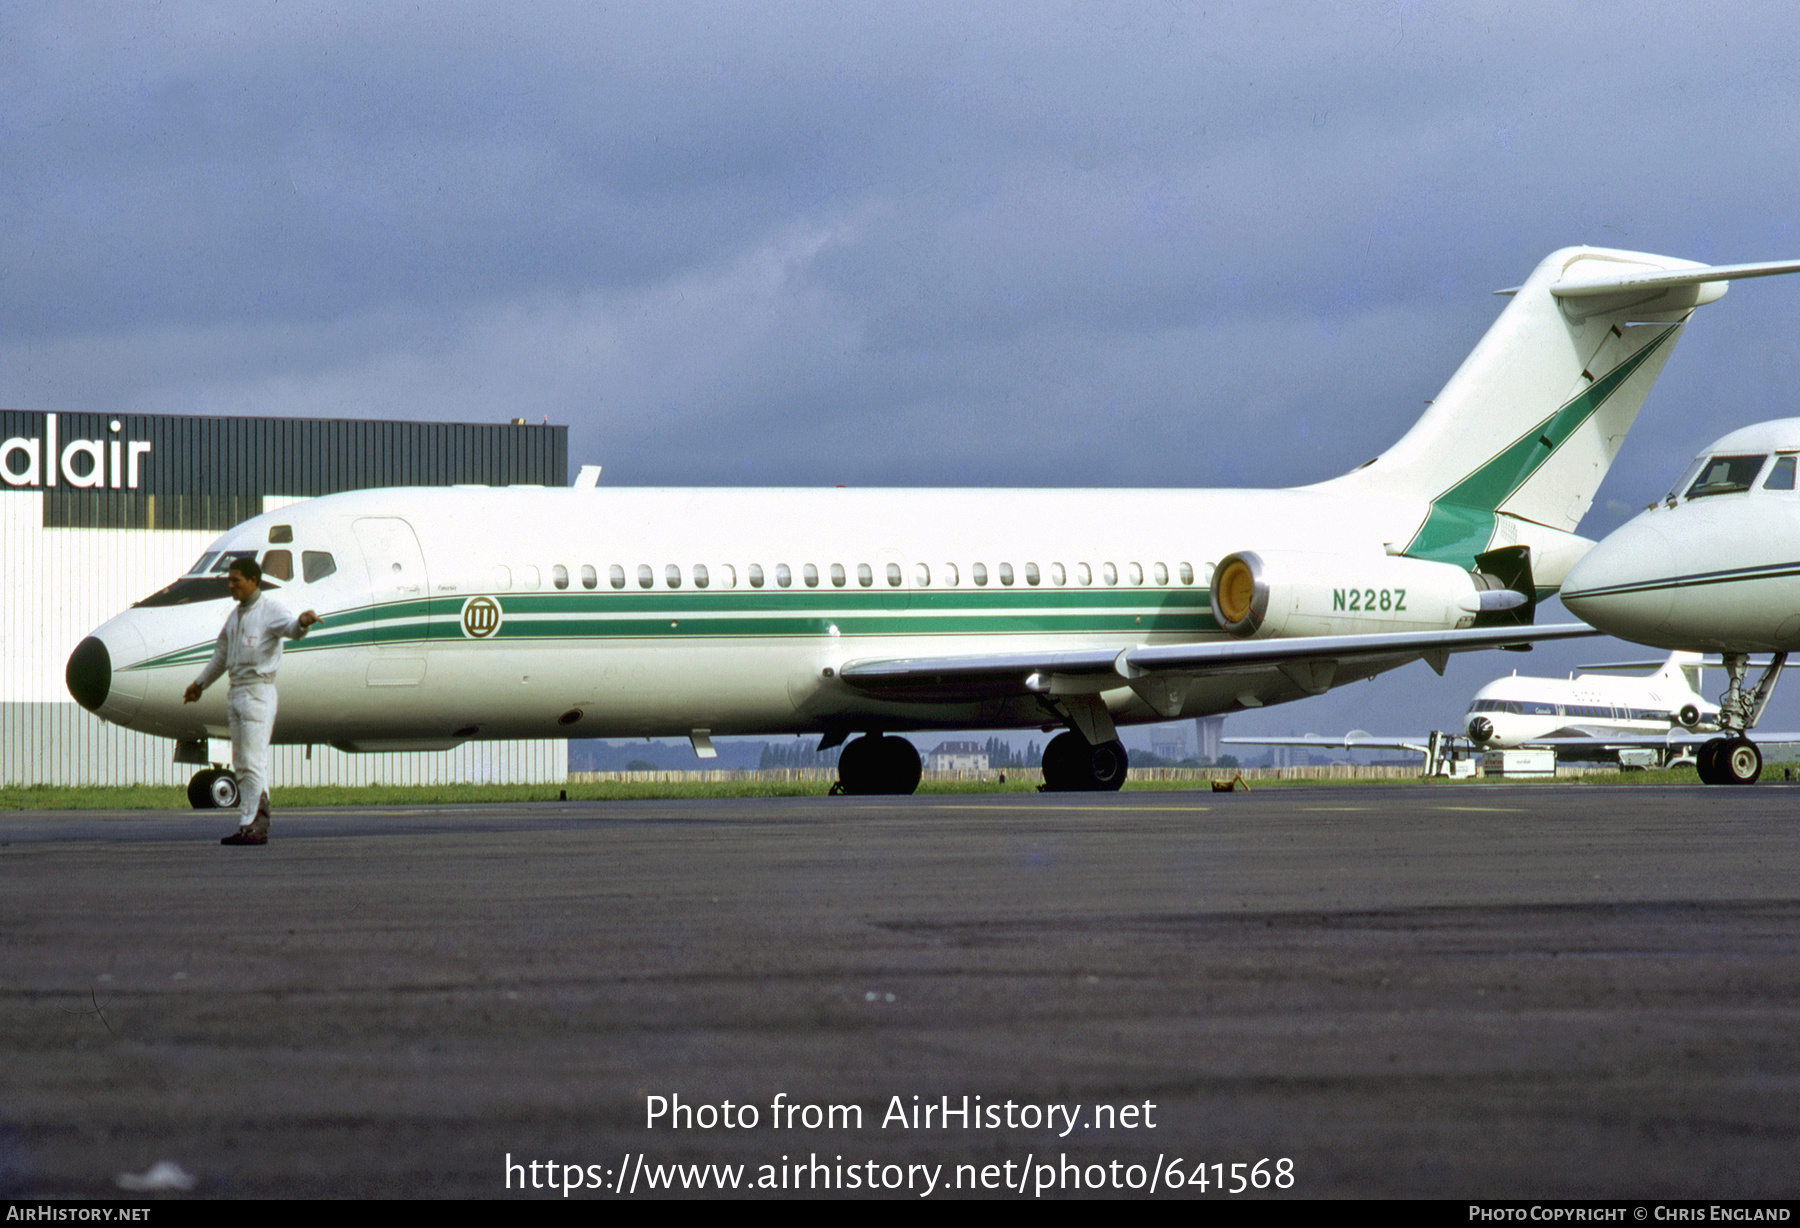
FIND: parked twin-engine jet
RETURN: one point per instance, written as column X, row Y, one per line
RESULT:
column 1712, row 566
column 528, row 613
column 1588, row 712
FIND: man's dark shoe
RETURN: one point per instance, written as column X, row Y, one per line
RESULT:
column 247, row 835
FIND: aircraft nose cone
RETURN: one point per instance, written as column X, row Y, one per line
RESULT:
column 89, row 673
column 1618, row 586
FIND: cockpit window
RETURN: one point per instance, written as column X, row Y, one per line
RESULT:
column 1682, row 482
column 199, row 569
column 315, row 565
column 279, row 564
column 223, row 564
column 1781, row 474
column 192, row 588
column 1726, row 475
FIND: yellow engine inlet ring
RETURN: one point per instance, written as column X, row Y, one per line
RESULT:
column 1237, row 590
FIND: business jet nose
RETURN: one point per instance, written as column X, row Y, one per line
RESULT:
column 94, row 675
column 1620, row 586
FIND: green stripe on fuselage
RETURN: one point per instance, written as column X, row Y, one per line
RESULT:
column 662, row 615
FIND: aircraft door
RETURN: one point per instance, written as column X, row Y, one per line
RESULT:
column 399, row 621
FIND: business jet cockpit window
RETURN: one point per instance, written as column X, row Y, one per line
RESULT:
column 1781, row 474
column 1726, row 475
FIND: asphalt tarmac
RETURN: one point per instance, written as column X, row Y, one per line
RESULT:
column 1496, row 991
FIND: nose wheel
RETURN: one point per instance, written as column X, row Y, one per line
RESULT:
column 1729, row 761
column 213, row 789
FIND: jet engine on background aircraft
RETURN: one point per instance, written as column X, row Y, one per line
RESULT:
column 1264, row 594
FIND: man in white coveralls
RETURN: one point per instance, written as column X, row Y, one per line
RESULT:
column 250, row 648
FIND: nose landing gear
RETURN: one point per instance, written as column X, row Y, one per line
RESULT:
column 213, row 789
column 1734, row 759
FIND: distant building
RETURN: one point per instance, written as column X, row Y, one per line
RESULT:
column 1169, row 744
column 958, row 757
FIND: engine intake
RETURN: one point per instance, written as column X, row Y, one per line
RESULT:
column 1261, row 594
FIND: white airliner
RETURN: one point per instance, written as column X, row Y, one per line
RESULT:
column 1588, row 712
column 455, row 614
column 1713, row 566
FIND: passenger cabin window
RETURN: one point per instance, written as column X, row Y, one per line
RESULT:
column 530, row 578
column 615, row 575
column 559, row 576
column 315, row 565
column 756, row 575
column 922, row 576
column 502, row 579
column 951, row 576
column 1726, row 475
column 589, row 577
column 701, row 579
column 978, row 573
column 783, row 577
column 1058, row 576
column 1109, row 573
column 1135, row 573
column 864, row 575
column 810, row 574
column 1006, row 574
column 279, row 564
column 646, row 577
column 1781, row 474
column 672, row 576
column 1031, row 574
column 838, row 578
column 1162, row 574
column 1084, row 575
column 1187, row 573
column 727, row 576
column 893, row 575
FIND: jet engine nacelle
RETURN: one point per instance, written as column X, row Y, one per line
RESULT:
column 1261, row 594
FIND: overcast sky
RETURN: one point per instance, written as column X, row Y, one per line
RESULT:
column 1153, row 244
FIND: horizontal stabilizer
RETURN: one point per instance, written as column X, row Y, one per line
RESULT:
column 1586, row 282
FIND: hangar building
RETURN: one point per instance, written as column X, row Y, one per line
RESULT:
column 98, row 511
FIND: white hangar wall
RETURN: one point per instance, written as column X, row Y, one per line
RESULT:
column 58, row 582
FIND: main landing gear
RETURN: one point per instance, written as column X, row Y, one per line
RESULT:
column 878, row 764
column 213, row 789
column 1073, row 764
column 1734, row 759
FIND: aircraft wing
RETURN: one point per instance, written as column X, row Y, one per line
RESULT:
column 1680, row 737
column 1354, row 740
column 1039, row 673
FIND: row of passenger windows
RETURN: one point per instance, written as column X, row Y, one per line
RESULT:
column 1600, row 711
column 862, row 575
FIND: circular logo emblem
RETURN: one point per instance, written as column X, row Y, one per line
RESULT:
column 480, row 617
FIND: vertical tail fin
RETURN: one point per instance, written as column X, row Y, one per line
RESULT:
column 1523, row 432
column 1683, row 669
